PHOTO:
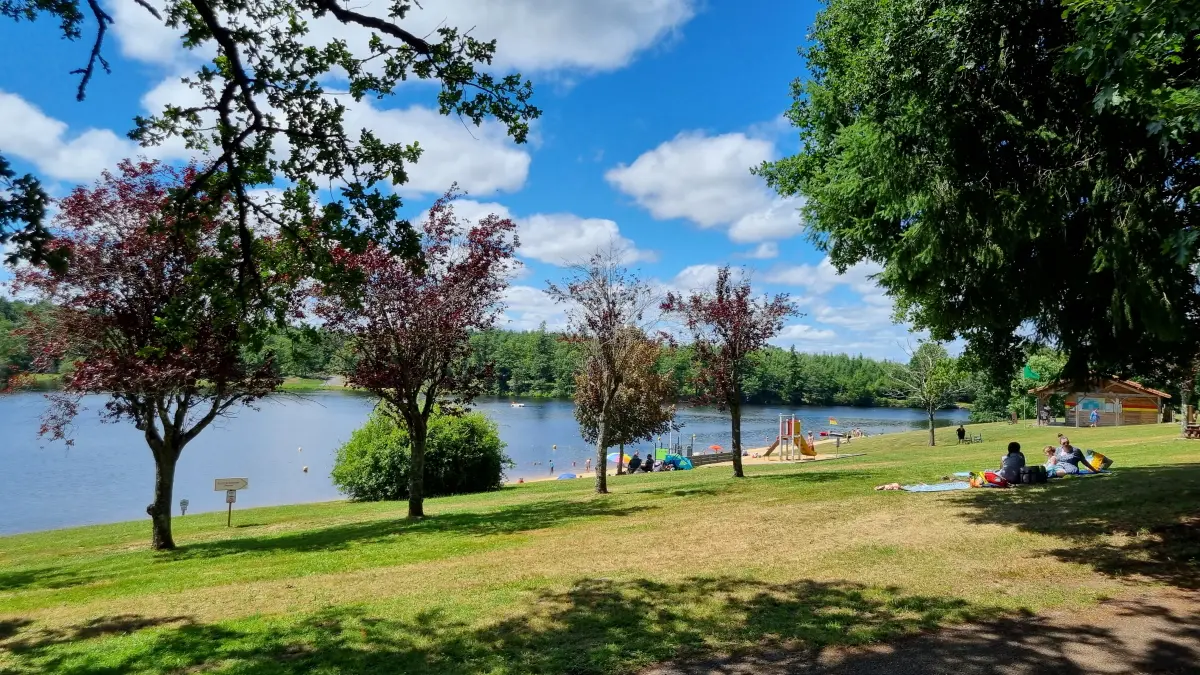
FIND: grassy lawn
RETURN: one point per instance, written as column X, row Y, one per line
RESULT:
column 549, row 578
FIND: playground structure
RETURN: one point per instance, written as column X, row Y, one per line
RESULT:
column 790, row 442
column 674, row 446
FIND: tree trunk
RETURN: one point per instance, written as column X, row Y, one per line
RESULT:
column 160, row 510
column 621, row 464
column 601, row 460
column 735, row 417
column 418, row 433
column 932, row 437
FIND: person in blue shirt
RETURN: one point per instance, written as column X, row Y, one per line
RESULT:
column 1068, row 458
column 1094, row 418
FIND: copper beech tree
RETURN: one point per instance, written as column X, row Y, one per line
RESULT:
column 644, row 405
column 728, row 325
column 606, row 305
column 410, row 327
column 147, row 315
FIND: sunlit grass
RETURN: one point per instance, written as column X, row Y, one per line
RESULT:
column 548, row 577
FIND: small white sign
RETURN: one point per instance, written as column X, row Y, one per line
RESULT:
column 230, row 484
column 230, row 496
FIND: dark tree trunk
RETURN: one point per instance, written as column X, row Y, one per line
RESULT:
column 932, row 437
column 601, row 460
column 621, row 464
column 735, row 417
column 416, row 470
column 159, row 511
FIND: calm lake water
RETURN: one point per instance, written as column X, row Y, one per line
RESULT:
column 108, row 475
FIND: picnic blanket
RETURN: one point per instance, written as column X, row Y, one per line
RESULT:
column 938, row 487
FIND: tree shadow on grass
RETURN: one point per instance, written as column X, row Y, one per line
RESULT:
column 804, row 478
column 1136, row 522
column 598, row 626
column 42, row 577
column 508, row 520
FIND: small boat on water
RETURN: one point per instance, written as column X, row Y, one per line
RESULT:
column 514, row 404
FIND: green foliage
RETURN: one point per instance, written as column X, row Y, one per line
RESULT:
column 464, row 454
column 1011, row 165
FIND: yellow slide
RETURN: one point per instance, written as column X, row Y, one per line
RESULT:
column 806, row 449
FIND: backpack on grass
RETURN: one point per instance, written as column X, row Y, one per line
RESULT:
column 1030, row 475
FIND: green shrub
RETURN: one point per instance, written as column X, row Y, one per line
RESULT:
column 463, row 454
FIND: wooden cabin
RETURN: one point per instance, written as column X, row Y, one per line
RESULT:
column 1119, row 402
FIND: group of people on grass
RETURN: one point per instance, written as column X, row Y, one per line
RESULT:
column 1060, row 461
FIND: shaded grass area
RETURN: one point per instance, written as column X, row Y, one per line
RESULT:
column 597, row 626
column 549, row 578
column 1141, row 520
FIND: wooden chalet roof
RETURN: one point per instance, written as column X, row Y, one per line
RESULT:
column 1062, row 387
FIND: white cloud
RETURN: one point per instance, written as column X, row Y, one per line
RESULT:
column 482, row 160
column 823, row 277
column 764, row 251
column 28, row 133
column 857, row 318
column 799, row 333
column 531, row 35
column 707, row 180
column 558, row 238
column 143, row 37
column 527, row 307
column 780, row 220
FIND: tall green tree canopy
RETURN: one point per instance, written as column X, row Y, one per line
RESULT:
column 268, row 117
column 1024, row 171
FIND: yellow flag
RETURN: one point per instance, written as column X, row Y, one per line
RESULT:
column 833, row 421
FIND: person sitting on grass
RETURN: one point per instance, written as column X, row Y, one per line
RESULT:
column 634, row 462
column 1050, row 453
column 1011, row 465
column 1068, row 458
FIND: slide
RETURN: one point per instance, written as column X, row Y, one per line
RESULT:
column 771, row 448
column 806, row 449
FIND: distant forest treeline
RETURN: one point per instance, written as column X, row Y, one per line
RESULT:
column 540, row 364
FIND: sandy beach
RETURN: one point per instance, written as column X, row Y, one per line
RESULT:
column 755, row 457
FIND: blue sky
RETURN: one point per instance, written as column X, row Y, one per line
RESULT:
column 654, row 111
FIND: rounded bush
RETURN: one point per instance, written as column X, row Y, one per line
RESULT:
column 463, row 454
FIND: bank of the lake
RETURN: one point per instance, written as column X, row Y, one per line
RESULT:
column 108, row 474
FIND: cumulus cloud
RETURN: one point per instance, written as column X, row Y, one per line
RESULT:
column 559, row 238
column 707, row 180
column 47, row 143
column 526, row 307
column 780, row 220
column 764, row 251
column 482, row 160
column 824, row 277
column 799, row 334
column 531, row 35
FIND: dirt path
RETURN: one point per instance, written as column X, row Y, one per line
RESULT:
column 1147, row 633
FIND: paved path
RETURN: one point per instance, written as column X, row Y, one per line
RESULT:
column 1146, row 633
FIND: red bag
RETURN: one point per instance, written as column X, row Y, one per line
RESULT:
column 995, row 479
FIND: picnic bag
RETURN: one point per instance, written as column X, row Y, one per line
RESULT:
column 1030, row 475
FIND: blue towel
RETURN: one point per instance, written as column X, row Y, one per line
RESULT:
column 938, row 487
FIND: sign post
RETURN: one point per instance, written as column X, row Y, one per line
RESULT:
column 230, row 486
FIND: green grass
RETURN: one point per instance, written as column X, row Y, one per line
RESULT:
column 549, row 578
column 306, row 384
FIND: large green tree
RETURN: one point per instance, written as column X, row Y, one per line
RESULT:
column 268, row 118
column 1024, row 171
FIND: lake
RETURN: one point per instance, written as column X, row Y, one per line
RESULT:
column 108, row 475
